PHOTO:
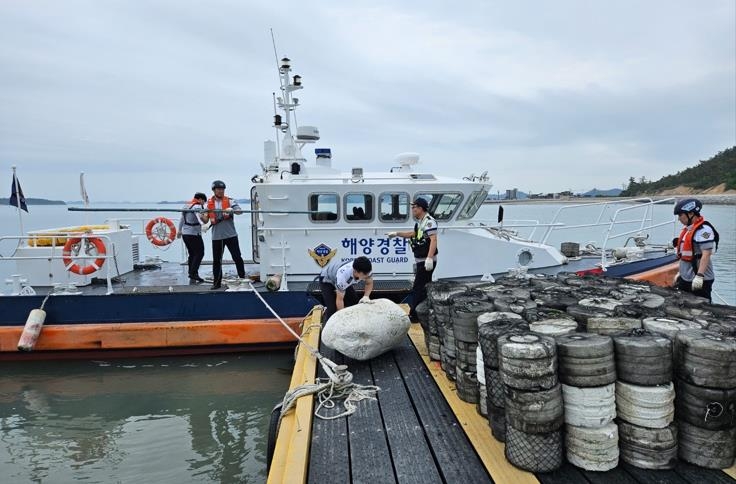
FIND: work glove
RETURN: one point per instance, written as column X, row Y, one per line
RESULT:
column 365, row 300
column 229, row 210
column 392, row 234
column 697, row 283
column 429, row 264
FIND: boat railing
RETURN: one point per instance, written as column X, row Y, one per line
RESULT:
column 643, row 228
column 58, row 247
column 646, row 204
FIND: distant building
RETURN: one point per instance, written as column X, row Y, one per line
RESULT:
column 512, row 194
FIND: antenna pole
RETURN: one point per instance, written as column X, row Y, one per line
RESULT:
column 275, row 112
column 276, row 58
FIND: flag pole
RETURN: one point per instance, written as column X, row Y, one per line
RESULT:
column 17, row 197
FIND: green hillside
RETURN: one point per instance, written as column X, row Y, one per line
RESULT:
column 706, row 174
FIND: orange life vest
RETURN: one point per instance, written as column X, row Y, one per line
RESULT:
column 211, row 206
column 685, row 240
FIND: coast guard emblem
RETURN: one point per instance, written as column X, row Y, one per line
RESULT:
column 322, row 254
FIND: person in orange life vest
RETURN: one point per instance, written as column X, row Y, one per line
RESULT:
column 223, row 231
column 695, row 246
column 190, row 230
column 423, row 241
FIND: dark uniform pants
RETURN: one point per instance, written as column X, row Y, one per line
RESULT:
column 705, row 291
column 419, row 289
column 329, row 293
column 195, row 249
column 218, row 249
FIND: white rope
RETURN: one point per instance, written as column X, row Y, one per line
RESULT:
column 719, row 297
column 339, row 385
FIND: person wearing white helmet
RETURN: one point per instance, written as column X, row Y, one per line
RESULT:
column 695, row 246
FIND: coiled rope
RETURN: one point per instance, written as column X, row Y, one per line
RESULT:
column 338, row 386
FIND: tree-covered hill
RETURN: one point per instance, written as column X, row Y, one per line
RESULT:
column 706, row 174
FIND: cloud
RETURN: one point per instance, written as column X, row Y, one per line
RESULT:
column 155, row 99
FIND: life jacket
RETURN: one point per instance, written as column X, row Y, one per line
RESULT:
column 685, row 240
column 192, row 204
column 225, row 201
column 420, row 241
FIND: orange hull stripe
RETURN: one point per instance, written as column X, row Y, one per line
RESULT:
column 661, row 276
column 154, row 335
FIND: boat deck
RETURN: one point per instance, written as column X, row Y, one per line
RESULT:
column 418, row 430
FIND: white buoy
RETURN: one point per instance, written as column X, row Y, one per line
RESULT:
column 31, row 330
column 273, row 283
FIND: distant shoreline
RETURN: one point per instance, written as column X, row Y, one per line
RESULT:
column 35, row 201
column 706, row 199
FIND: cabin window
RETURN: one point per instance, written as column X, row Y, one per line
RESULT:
column 358, row 207
column 394, row 207
column 442, row 205
column 475, row 200
column 324, row 207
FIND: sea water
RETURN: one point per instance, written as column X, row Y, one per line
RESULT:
column 200, row 418
column 167, row 420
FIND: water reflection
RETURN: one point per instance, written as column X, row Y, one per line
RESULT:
column 193, row 419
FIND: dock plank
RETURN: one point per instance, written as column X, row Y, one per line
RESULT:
column 699, row 475
column 490, row 451
column 566, row 474
column 456, row 457
column 369, row 451
column 329, row 458
column 410, row 452
column 614, row 476
column 645, row 476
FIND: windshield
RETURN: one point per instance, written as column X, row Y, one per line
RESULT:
column 475, row 200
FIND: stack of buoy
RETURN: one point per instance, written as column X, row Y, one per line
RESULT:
column 706, row 397
column 465, row 310
column 587, row 371
column 533, row 400
column 440, row 303
column 491, row 326
column 425, row 314
column 641, row 321
column 645, row 398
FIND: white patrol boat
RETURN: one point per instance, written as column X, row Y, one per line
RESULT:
column 351, row 210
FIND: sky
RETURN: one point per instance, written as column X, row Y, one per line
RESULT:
column 154, row 99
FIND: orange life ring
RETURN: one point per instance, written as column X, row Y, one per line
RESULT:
column 164, row 234
column 71, row 266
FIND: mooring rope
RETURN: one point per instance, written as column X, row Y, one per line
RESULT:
column 338, row 386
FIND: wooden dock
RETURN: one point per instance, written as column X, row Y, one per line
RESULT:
column 418, row 431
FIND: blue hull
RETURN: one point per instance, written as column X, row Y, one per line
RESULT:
column 155, row 307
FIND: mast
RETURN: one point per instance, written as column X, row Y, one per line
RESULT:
column 289, row 150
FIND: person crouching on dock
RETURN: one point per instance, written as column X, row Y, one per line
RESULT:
column 336, row 281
